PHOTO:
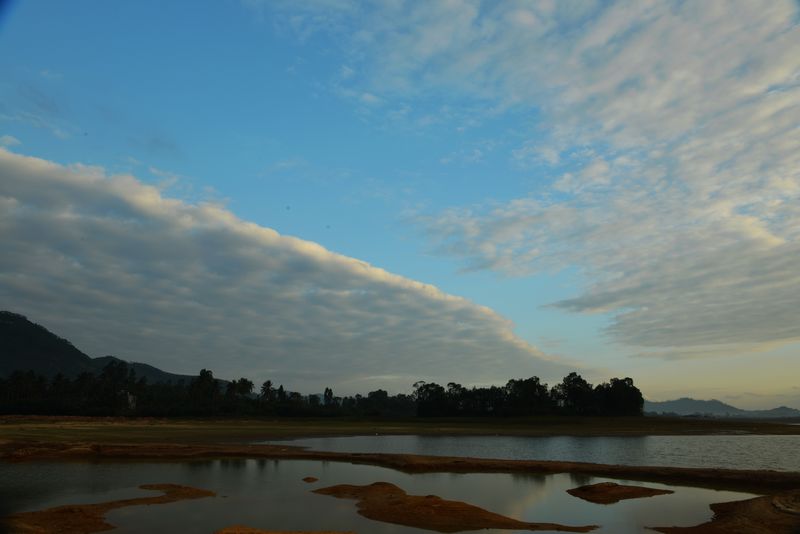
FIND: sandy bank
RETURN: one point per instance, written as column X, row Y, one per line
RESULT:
column 240, row 529
column 759, row 515
column 753, row 516
column 755, row 481
column 386, row 502
column 610, row 492
column 86, row 518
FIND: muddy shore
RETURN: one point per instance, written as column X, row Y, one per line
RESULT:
column 382, row 501
column 88, row 518
column 241, row 529
column 775, row 512
column 612, row 493
column 753, row 481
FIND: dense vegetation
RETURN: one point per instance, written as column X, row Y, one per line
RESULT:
column 117, row 390
column 42, row 373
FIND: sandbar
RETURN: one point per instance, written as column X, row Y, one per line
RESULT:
column 611, row 492
column 87, row 518
column 382, row 501
column 754, row 481
column 241, row 529
column 760, row 515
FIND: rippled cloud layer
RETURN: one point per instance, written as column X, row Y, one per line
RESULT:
column 117, row 267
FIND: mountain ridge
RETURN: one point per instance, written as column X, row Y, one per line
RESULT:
column 28, row 346
column 713, row 408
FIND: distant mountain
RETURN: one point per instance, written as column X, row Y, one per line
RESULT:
column 152, row 374
column 27, row 346
column 714, row 408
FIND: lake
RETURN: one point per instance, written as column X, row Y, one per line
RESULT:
column 780, row 453
column 271, row 494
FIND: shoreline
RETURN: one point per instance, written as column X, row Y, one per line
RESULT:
column 763, row 482
column 759, row 515
column 221, row 430
column 119, row 440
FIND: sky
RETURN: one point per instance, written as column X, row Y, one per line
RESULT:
column 361, row 195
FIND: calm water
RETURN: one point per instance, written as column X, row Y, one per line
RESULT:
column 780, row 453
column 271, row 494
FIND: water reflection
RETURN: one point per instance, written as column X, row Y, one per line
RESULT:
column 271, row 494
column 579, row 479
column 733, row 452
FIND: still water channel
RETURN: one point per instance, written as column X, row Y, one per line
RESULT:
column 780, row 453
column 270, row 494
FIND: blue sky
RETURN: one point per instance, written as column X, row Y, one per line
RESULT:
column 604, row 187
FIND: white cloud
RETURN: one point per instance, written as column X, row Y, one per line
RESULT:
column 370, row 99
column 9, row 140
column 38, row 120
column 533, row 153
column 116, row 267
column 681, row 121
column 50, row 74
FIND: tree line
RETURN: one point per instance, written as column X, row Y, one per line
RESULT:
column 117, row 391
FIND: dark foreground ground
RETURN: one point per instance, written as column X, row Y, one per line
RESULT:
column 24, row 439
column 145, row 430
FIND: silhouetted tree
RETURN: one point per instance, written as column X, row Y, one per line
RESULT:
column 204, row 393
column 117, row 391
column 528, row 397
column 267, row 392
column 431, row 399
column 575, row 395
column 619, row 397
column 456, row 394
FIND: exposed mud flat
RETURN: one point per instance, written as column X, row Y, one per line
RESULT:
column 87, row 518
column 382, row 501
column 754, row 481
column 611, row 492
column 774, row 513
column 761, row 515
column 241, row 529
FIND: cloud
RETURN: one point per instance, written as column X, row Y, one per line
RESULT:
column 476, row 153
column 116, row 267
column 9, row 140
column 50, row 74
column 59, row 129
column 168, row 178
column 679, row 124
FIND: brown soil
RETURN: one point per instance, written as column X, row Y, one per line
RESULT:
column 753, row 516
column 788, row 502
column 85, row 518
column 386, row 502
column 610, row 493
column 240, row 529
column 310, row 480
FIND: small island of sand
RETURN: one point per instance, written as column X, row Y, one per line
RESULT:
column 87, row 518
column 386, row 502
column 240, row 529
column 611, row 493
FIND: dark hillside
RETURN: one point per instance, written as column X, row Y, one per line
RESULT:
column 27, row 346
